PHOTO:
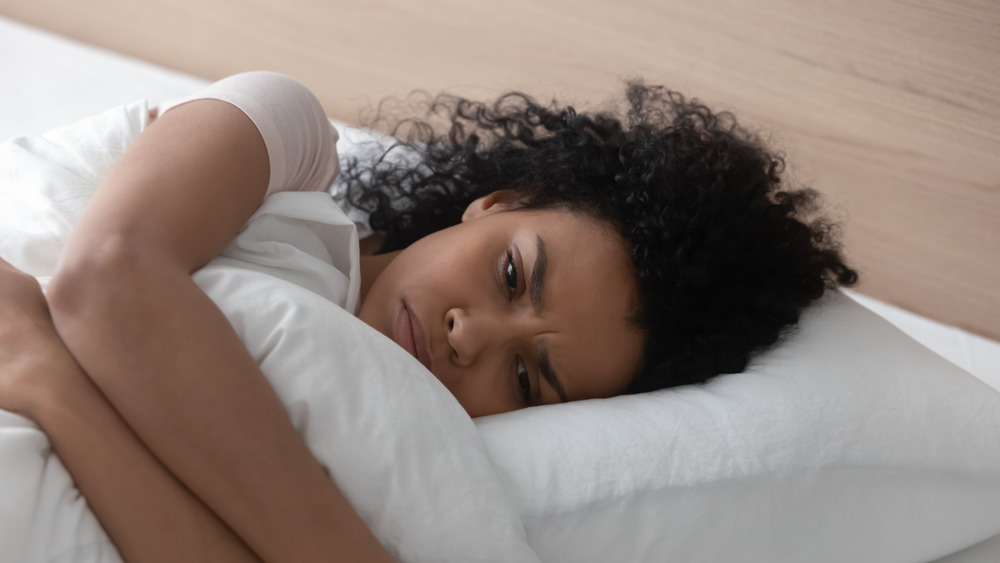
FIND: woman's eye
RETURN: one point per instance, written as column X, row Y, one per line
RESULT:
column 524, row 381
column 510, row 274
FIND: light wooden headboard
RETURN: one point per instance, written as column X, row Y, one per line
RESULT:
column 891, row 108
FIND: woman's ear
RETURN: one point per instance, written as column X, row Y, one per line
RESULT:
column 500, row 200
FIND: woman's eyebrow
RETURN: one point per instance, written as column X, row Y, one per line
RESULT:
column 536, row 293
column 537, row 285
column 548, row 373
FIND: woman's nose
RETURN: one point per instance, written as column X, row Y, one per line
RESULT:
column 466, row 336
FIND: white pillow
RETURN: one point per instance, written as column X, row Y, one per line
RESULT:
column 396, row 442
column 847, row 442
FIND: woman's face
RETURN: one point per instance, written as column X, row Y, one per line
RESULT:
column 513, row 308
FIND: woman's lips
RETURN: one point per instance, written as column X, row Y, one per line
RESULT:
column 410, row 336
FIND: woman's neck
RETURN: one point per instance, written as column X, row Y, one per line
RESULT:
column 371, row 267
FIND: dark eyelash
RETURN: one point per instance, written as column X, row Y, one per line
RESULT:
column 523, row 380
column 510, row 275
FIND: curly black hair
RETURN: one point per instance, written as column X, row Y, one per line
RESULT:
column 725, row 257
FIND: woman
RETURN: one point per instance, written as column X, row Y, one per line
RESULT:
column 532, row 255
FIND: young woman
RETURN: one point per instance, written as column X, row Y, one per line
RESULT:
column 530, row 255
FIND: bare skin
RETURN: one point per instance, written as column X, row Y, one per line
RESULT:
column 120, row 478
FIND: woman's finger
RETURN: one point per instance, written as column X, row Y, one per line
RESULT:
column 21, row 296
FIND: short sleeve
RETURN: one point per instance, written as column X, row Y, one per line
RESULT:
column 301, row 142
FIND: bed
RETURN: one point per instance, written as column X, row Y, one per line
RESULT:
column 53, row 81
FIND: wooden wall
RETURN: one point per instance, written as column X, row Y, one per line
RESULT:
column 889, row 107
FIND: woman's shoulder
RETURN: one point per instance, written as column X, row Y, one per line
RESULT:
column 301, row 142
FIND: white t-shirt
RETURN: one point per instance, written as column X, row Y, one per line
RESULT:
column 301, row 143
column 305, row 239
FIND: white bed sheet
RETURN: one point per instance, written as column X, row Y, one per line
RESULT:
column 49, row 81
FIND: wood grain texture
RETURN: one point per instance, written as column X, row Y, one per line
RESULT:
column 888, row 107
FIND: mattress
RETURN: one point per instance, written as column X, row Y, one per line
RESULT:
column 50, row 81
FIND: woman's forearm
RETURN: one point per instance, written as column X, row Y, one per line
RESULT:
column 149, row 515
column 193, row 394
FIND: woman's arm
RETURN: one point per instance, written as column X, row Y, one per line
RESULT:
column 124, row 303
column 148, row 514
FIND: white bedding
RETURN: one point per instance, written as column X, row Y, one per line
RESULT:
column 49, row 69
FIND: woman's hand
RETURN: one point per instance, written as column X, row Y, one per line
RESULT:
column 120, row 478
column 35, row 365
